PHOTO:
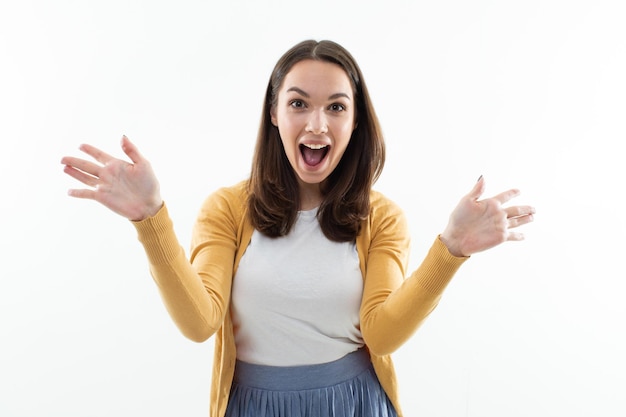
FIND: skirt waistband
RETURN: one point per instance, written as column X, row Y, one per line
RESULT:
column 288, row 378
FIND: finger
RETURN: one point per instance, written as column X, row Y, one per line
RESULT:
column 81, row 193
column 507, row 195
column 515, row 236
column 520, row 220
column 81, row 176
column 131, row 150
column 478, row 189
column 96, row 153
column 516, row 211
column 83, row 165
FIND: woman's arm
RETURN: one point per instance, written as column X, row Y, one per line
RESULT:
column 196, row 294
column 394, row 307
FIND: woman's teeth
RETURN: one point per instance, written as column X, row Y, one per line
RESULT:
column 314, row 146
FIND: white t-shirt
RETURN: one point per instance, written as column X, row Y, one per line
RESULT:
column 296, row 299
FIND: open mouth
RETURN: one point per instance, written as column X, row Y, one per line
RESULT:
column 313, row 154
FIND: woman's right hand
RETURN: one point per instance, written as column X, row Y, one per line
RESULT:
column 129, row 189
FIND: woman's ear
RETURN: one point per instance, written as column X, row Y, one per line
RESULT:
column 273, row 116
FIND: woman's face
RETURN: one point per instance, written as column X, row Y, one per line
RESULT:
column 315, row 114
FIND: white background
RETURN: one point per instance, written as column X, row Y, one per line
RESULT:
column 530, row 94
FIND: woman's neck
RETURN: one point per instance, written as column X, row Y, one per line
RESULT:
column 310, row 196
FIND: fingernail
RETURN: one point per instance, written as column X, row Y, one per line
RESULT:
column 479, row 178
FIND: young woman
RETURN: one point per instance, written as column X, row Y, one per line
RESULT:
column 300, row 271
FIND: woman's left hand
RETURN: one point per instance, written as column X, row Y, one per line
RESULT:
column 477, row 225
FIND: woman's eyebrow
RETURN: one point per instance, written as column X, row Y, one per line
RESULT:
column 338, row 95
column 299, row 91
column 305, row 94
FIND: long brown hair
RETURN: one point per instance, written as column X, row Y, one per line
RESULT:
column 274, row 195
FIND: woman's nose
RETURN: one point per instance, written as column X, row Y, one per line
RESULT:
column 317, row 123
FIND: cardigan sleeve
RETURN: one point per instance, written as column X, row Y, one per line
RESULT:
column 195, row 291
column 394, row 307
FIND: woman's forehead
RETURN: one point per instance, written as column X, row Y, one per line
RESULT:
column 310, row 77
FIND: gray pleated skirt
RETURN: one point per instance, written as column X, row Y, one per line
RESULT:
column 347, row 387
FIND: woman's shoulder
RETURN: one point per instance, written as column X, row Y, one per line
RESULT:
column 380, row 204
column 237, row 192
column 386, row 222
column 231, row 199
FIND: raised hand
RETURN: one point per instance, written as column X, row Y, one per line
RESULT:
column 129, row 189
column 477, row 225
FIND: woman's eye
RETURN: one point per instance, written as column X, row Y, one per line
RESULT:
column 337, row 107
column 298, row 104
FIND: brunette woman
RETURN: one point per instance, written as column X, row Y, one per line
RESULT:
column 300, row 271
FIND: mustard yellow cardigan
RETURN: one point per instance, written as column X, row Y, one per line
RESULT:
column 196, row 291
